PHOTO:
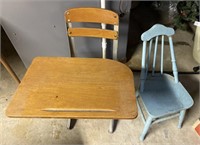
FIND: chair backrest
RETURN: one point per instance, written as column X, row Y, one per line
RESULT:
column 92, row 15
column 150, row 36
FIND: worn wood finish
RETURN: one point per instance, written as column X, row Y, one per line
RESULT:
column 9, row 69
column 94, row 15
column 92, row 32
column 75, row 88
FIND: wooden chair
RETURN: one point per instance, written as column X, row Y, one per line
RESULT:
column 162, row 95
column 9, row 69
column 92, row 15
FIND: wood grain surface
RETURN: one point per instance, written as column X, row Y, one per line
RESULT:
column 94, row 15
column 92, row 32
column 75, row 88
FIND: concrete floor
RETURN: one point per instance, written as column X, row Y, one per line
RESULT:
column 21, row 131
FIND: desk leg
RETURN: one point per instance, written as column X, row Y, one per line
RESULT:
column 112, row 126
column 71, row 123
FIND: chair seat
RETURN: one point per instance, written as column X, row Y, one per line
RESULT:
column 162, row 96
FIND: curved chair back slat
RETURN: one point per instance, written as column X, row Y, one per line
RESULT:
column 157, row 30
column 92, row 15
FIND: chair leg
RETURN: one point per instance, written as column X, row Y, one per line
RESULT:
column 69, row 123
column 181, row 117
column 112, row 126
column 146, row 128
column 137, row 93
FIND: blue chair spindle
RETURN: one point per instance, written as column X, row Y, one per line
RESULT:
column 154, row 57
column 162, row 55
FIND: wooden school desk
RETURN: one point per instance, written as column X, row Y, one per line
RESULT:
column 60, row 87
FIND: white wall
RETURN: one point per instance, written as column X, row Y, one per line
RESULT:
column 37, row 28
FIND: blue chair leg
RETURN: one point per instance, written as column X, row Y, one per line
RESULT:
column 137, row 94
column 146, row 128
column 181, row 117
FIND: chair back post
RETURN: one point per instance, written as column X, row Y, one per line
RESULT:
column 143, row 70
column 162, row 55
column 104, row 42
column 71, row 41
column 148, row 57
column 103, row 25
column 173, row 60
column 115, row 43
column 104, row 47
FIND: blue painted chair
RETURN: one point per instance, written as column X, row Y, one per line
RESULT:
column 162, row 95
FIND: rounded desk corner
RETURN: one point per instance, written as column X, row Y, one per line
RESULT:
column 7, row 112
column 36, row 59
column 121, row 64
column 136, row 114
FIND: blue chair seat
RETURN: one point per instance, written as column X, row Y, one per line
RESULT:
column 162, row 96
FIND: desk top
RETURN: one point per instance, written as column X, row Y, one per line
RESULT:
column 61, row 87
